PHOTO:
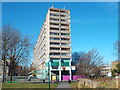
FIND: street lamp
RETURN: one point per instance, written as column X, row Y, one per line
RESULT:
column 49, row 72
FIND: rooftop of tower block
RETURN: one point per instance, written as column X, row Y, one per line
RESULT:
column 57, row 9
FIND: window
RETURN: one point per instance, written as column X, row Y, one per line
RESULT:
column 54, row 58
column 63, row 20
column 65, row 34
column 62, row 15
column 54, row 19
column 54, row 28
column 62, row 11
column 64, row 25
column 64, row 39
column 65, row 48
column 62, row 29
column 51, row 33
column 54, row 38
column 65, row 54
column 65, row 58
column 52, row 43
column 54, row 15
column 54, row 53
column 54, row 48
column 66, row 44
column 54, row 10
column 54, row 24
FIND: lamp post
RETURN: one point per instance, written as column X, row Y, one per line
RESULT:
column 49, row 71
column 49, row 74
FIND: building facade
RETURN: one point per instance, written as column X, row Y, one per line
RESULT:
column 54, row 45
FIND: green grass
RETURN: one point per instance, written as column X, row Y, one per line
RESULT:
column 28, row 85
column 74, row 84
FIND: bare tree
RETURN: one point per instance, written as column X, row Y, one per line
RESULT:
column 89, row 62
column 15, row 49
column 117, row 49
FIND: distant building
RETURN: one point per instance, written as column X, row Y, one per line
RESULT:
column 1, row 69
column 106, row 70
column 114, row 63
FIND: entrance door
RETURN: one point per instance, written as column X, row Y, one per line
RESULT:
column 54, row 78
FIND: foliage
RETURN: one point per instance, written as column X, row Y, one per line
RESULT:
column 117, row 48
column 76, row 56
column 116, row 70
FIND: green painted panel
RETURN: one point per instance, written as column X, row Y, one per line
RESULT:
column 55, row 63
column 65, row 63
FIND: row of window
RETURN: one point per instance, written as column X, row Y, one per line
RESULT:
column 51, row 38
column 64, row 34
column 58, row 11
column 59, row 24
column 59, row 58
column 57, row 29
column 58, row 19
column 65, row 44
column 64, row 54
column 52, row 48
column 58, row 15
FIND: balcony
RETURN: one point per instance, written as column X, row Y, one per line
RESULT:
column 55, row 31
column 66, row 56
column 55, row 51
column 53, row 12
column 54, row 26
column 54, row 56
column 65, row 51
column 53, row 21
column 55, row 41
column 66, row 27
column 63, row 46
column 66, row 18
column 57, row 46
column 65, row 36
column 65, row 22
column 55, row 17
column 55, row 36
column 65, row 13
column 65, row 31
column 65, row 41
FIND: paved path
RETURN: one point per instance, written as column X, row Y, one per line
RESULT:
column 63, row 85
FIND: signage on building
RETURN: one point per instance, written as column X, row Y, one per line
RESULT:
column 73, row 67
column 54, row 67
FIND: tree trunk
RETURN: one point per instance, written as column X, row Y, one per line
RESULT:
column 11, row 77
column 11, row 71
column 4, row 72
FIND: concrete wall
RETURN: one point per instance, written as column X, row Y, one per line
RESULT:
column 110, row 83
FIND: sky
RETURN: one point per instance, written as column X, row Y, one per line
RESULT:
column 93, row 24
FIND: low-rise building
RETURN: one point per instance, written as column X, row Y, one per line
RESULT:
column 106, row 70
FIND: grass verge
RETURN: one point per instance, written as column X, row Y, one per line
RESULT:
column 28, row 85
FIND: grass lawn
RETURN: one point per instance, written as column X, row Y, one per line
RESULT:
column 74, row 84
column 28, row 85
